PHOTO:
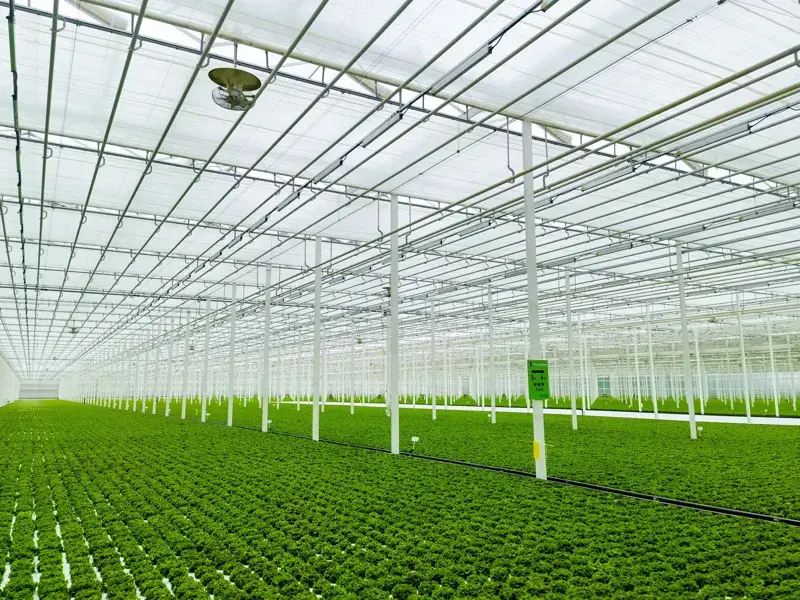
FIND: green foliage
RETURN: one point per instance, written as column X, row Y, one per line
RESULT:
column 239, row 514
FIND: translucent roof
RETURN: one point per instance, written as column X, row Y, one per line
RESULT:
column 130, row 198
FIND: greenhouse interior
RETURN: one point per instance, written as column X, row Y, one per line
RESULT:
column 400, row 299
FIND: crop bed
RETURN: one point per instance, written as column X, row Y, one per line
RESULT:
column 747, row 467
column 101, row 503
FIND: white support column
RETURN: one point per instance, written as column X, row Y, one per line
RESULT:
column 698, row 364
column 570, row 350
column 653, row 391
column 317, row 339
column 352, row 374
column 791, row 371
column 775, row 394
column 492, row 387
column 534, row 346
column 687, row 369
column 137, row 388
column 123, row 379
column 146, row 378
column 584, row 392
column 170, row 365
column 265, row 378
column 432, row 367
column 157, row 390
column 204, row 392
column 232, row 356
column 638, row 387
column 185, row 387
column 394, row 330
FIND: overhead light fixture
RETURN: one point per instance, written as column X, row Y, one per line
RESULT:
column 614, row 248
column 429, row 245
column 515, row 273
column 546, row 4
column 744, row 128
column 603, row 179
column 329, row 169
column 561, row 261
column 461, row 68
column 289, row 199
column 475, row 228
column 234, row 241
column 393, row 120
column 361, row 270
column 258, row 223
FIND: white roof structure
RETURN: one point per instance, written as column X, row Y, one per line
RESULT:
column 130, row 199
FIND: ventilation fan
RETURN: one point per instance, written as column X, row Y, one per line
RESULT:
column 232, row 85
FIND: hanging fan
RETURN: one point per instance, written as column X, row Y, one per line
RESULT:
column 232, row 85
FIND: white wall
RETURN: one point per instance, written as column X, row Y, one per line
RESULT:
column 38, row 388
column 9, row 383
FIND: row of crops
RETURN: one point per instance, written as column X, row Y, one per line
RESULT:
column 748, row 467
column 101, row 503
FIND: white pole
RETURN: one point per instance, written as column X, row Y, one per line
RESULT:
column 570, row 351
column 636, row 369
column 317, row 339
column 491, row 386
column 137, row 385
column 394, row 341
column 653, row 392
column 232, row 355
column 157, row 392
column 687, row 369
column 775, row 395
column 583, row 390
column 534, row 347
column 265, row 379
column 432, row 366
column 791, row 371
column 169, row 364
column 204, row 395
column 352, row 386
column 185, row 390
column 700, row 393
column 146, row 379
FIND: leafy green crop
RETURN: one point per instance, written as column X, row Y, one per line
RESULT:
column 748, row 467
column 161, row 507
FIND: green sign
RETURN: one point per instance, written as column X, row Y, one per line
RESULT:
column 538, row 380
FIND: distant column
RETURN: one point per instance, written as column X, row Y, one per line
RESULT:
column 265, row 378
column 687, row 369
column 232, row 356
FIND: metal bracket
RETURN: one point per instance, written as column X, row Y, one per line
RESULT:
column 202, row 49
column 138, row 43
column 326, row 93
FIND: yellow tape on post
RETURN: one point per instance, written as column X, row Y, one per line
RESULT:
column 536, row 450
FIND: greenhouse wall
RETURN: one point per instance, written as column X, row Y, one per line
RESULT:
column 38, row 389
column 9, row 383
